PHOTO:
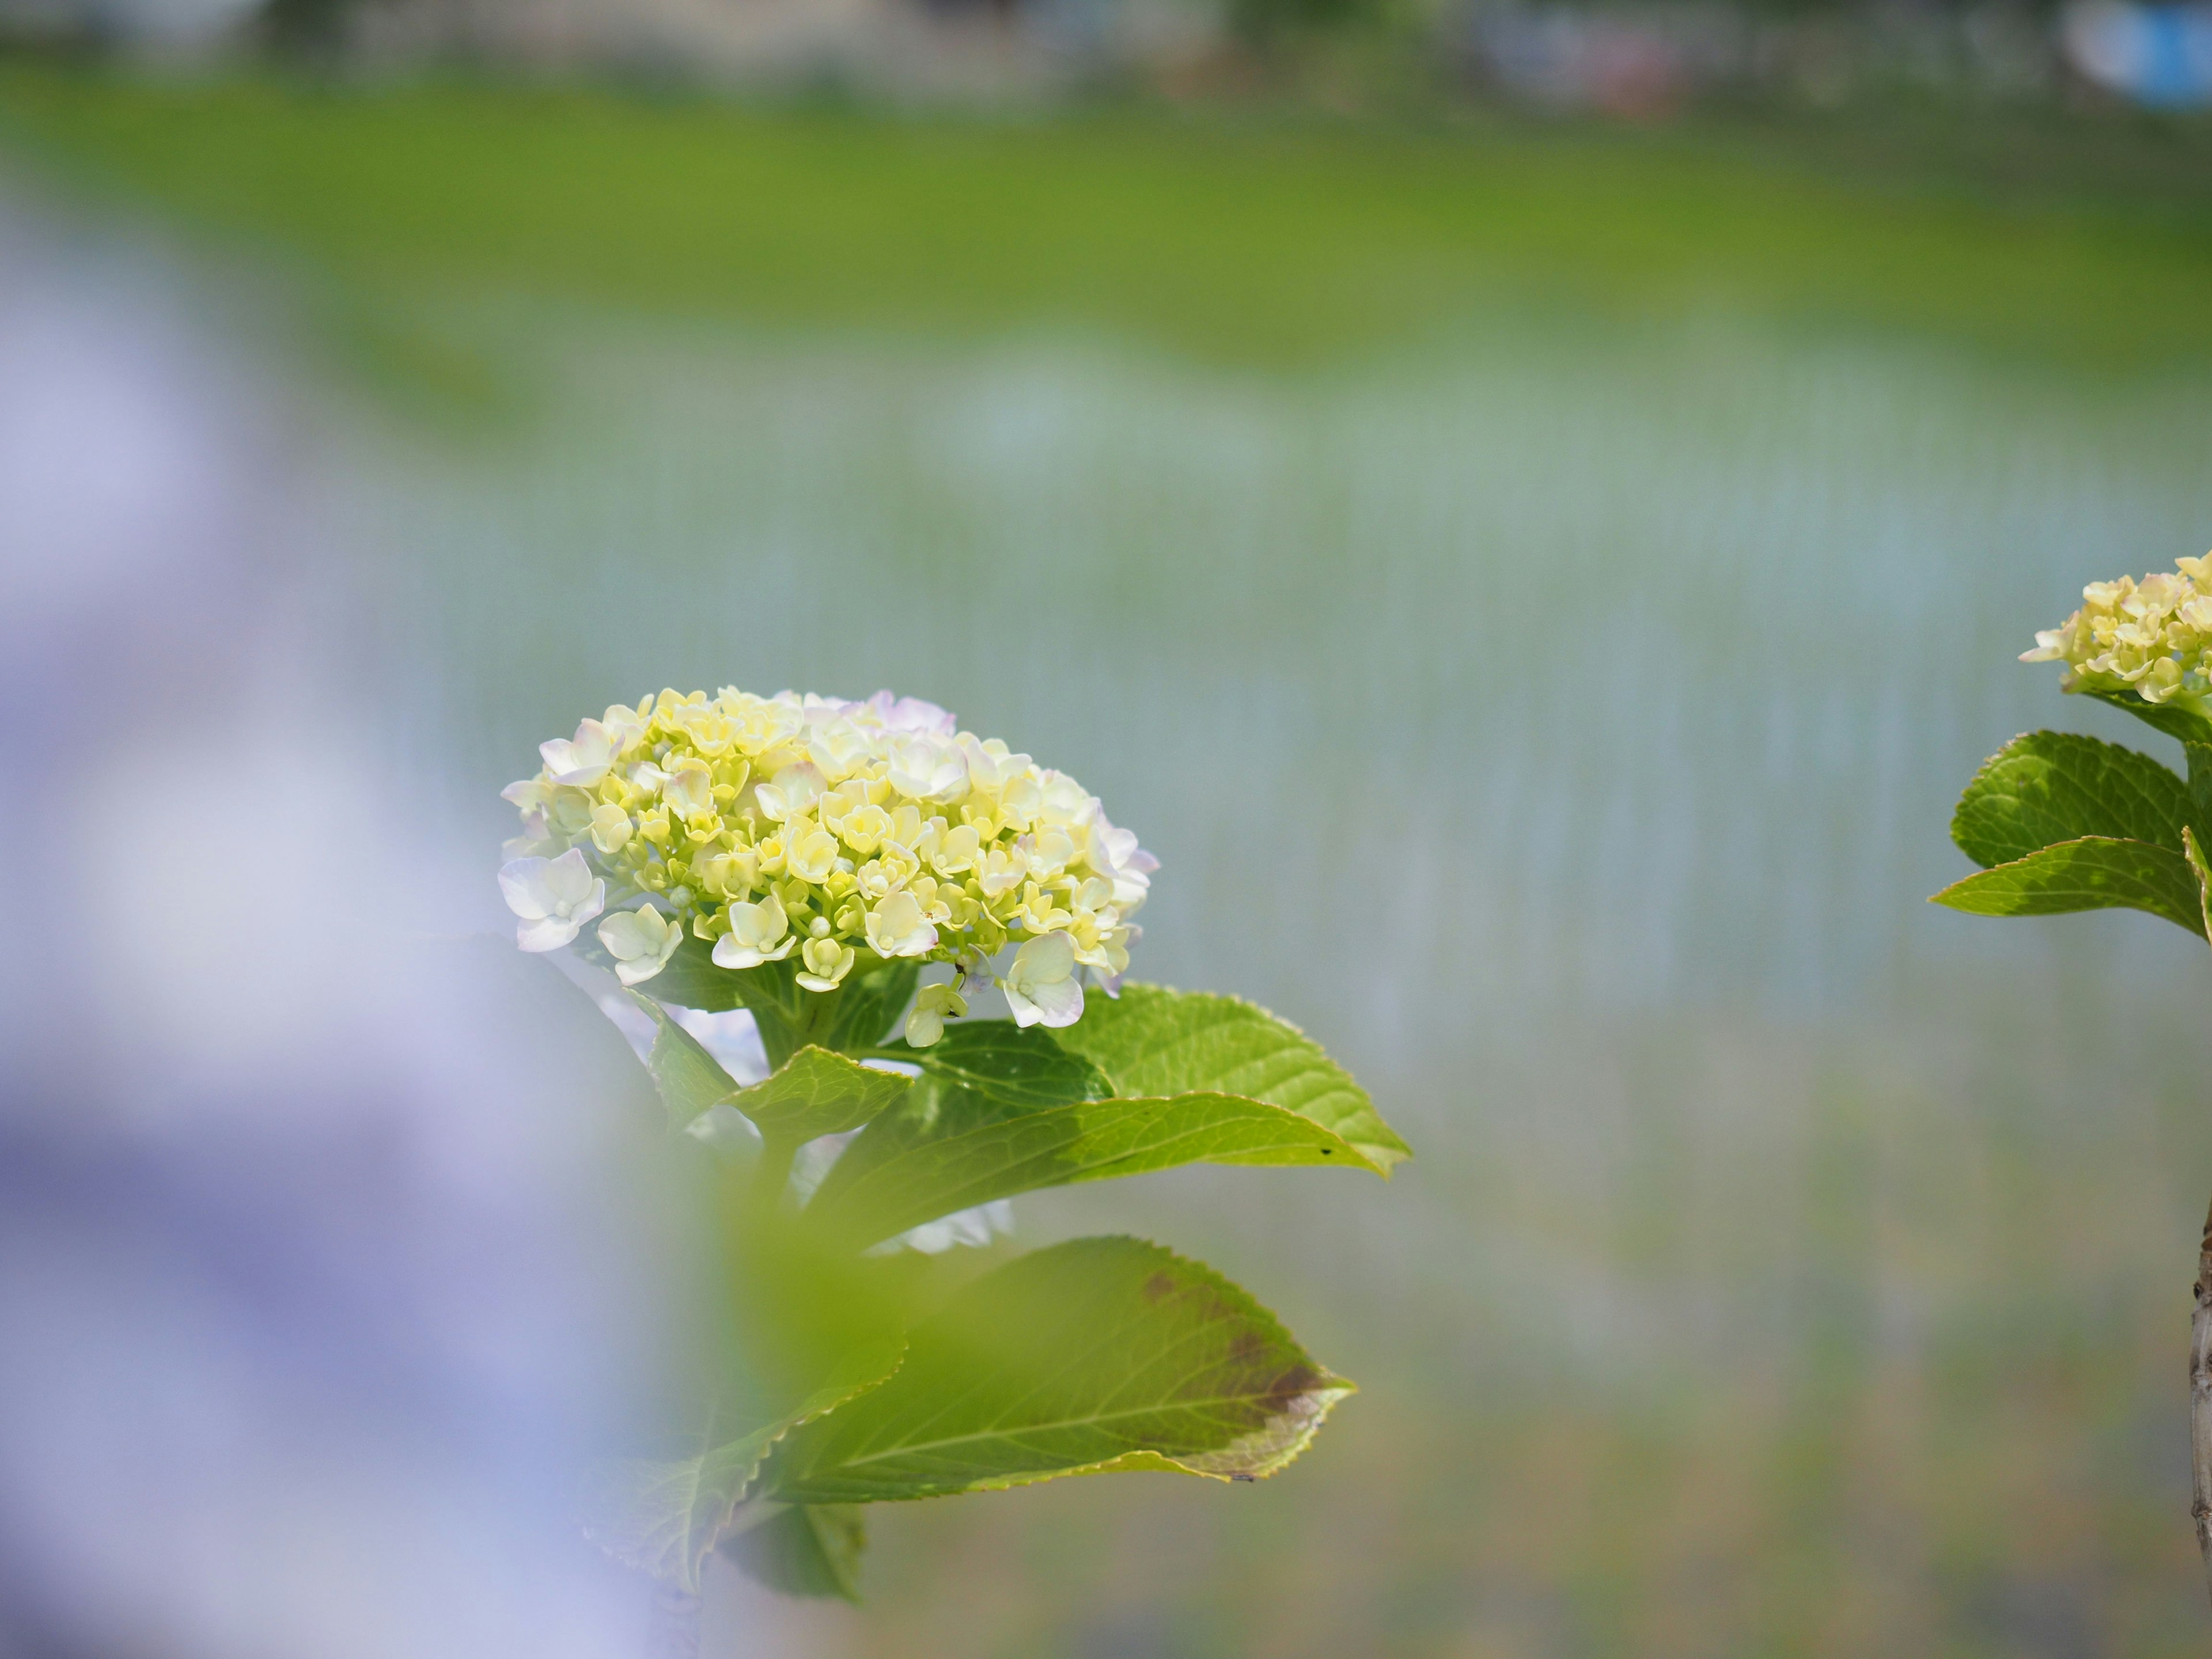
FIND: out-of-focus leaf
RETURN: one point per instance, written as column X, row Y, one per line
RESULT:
column 665, row 1517
column 2093, row 873
column 1152, row 1042
column 948, row 1148
column 818, row 1093
column 2051, row 786
column 773, row 1328
column 689, row 1078
column 809, row 1549
column 1020, row 1067
column 1103, row 1353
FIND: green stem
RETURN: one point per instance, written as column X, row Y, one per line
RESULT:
column 772, row 1174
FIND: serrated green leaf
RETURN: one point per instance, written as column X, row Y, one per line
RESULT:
column 2093, row 873
column 1021, row 1066
column 1155, row 1042
column 816, row 1092
column 665, row 1517
column 1103, row 1353
column 689, row 1078
column 2051, row 786
column 948, row 1148
column 809, row 1549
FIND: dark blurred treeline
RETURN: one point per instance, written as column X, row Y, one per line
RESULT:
column 1632, row 58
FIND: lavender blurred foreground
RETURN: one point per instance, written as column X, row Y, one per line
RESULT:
column 313, row 1289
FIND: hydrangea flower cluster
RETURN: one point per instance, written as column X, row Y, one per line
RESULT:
column 771, row 826
column 2153, row 637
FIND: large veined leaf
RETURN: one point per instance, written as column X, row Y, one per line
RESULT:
column 2093, row 873
column 689, row 1078
column 1152, row 1040
column 808, row 1549
column 665, row 1517
column 1019, row 1065
column 2050, row 786
column 816, row 1092
column 948, row 1148
column 1098, row 1354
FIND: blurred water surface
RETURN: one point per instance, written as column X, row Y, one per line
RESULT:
column 1562, row 723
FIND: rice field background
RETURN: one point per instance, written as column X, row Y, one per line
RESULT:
column 1539, row 592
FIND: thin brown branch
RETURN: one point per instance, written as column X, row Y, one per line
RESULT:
column 2200, row 1402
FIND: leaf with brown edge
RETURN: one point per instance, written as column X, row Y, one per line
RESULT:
column 1099, row 1354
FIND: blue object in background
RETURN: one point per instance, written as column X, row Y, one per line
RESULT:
column 2160, row 55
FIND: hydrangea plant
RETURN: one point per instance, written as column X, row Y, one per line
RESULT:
column 806, row 860
column 2060, row 822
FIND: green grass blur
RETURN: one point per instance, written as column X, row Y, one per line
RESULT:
column 1262, row 239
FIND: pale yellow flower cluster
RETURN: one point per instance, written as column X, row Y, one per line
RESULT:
column 2153, row 637
column 807, row 824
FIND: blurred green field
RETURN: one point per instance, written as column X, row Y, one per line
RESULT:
column 1263, row 238
column 1647, row 520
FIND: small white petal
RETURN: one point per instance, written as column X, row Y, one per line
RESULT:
column 569, row 878
column 522, row 882
column 1060, row 1003
column 550, row 935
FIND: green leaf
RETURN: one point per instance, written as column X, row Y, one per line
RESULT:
column 690, row 980
column 689, row 1078
column 1103, row 1353
column 860, row 1014
column 2201, row 868
column 2176, row 719
column 867, row 1008
column 1152, row 1040
column 2199, row 756
column 818, row 1093
column 2093, row 873
column 2050, row 786
column 665, row 1517
column 1019, row 1065
column 949, row 1148
column 809, row 1549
